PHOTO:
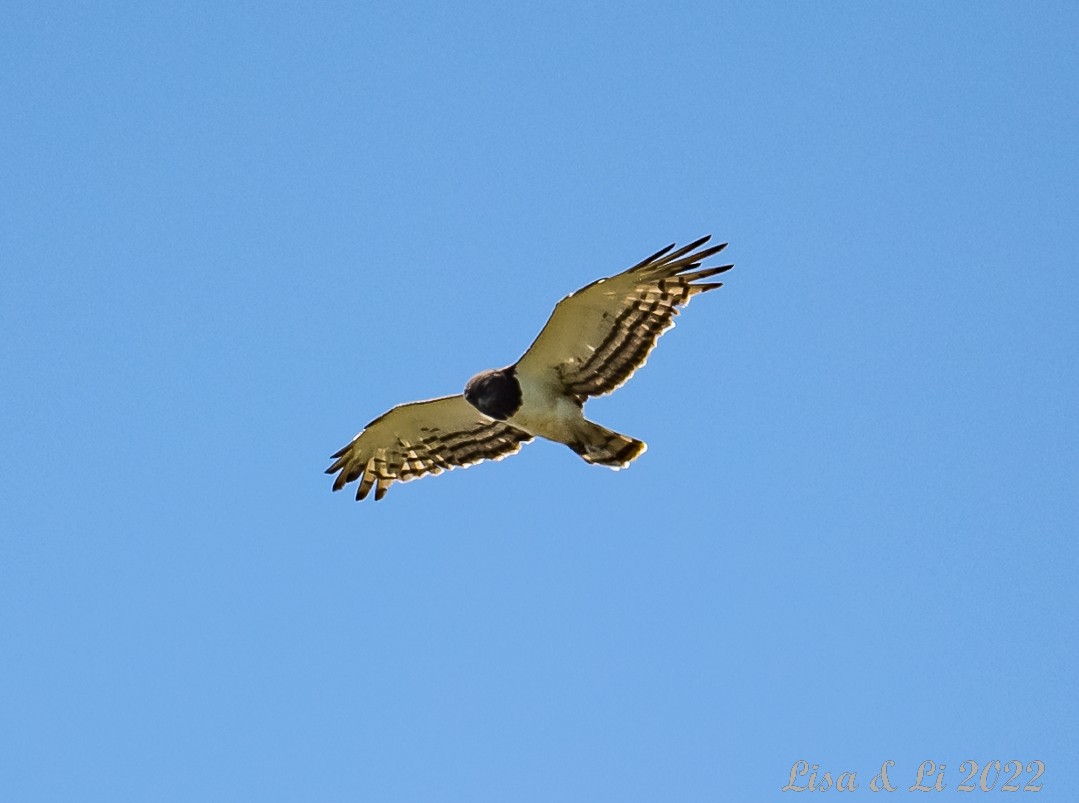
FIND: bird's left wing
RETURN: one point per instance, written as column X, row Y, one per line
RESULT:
column 420, row 438
column 599, row 336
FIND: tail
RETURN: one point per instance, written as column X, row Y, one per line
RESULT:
column 600, row 445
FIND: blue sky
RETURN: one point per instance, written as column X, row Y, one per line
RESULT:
column 233, row 233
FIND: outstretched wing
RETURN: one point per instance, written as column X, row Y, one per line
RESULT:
column 420, row 438
column 599, row 336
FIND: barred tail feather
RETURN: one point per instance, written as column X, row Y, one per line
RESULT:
column 605, row 447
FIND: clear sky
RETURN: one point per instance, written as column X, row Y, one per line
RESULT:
column 233, row 233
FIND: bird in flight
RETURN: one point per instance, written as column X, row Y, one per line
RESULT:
column 593, row 342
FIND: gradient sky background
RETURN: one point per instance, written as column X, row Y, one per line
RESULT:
column 233, row 233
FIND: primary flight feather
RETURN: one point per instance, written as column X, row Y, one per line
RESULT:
column 593, row 342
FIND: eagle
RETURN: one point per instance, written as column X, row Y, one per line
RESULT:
column 592, row 344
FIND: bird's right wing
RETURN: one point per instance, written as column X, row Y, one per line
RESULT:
column 420, row 438
column 599, row 336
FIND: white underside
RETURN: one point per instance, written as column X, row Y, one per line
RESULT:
column 546, row 411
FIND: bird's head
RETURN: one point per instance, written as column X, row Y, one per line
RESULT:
column 495, row 393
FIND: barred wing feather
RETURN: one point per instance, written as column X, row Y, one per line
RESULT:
column 420, row 438
column 599, row 336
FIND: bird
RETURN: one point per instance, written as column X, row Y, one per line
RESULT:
column 594, row 341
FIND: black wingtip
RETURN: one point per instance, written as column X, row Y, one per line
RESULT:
column 698, row 243
column 654, row 257
column 700, row 256
column 704, row 273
